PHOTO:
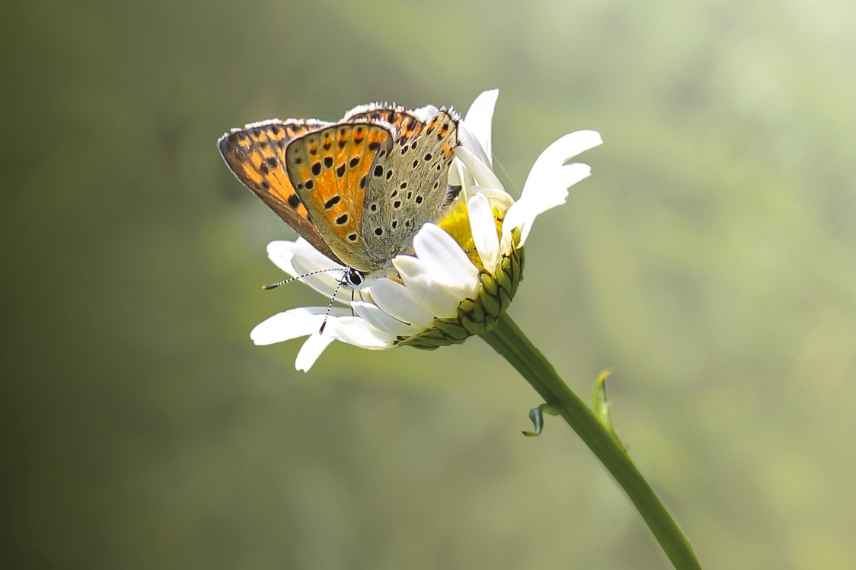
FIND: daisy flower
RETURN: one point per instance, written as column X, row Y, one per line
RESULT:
column 459, row 281
column 466, row 267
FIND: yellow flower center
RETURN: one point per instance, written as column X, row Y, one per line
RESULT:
column 456, row 223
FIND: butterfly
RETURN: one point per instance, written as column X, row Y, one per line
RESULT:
column 359, row 189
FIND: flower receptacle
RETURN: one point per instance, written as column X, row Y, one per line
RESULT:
column 476, row 315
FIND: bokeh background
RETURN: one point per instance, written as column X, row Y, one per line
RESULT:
column 709, row 262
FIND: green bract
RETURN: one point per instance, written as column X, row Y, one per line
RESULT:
column 476, row 315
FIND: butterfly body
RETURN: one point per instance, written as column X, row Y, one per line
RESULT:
column 358, row 190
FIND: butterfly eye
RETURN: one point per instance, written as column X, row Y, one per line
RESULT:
column 355, row 279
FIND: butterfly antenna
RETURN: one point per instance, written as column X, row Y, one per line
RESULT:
column 297, row 277
column 330, row 304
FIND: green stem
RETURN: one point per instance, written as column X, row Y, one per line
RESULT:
column 510, row 342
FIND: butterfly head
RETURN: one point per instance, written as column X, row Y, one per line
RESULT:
column 353, row 278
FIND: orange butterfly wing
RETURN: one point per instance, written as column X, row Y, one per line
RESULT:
column 256, row 156
column 329, row 170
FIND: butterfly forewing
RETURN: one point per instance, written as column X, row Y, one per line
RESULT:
column 256, row 156
column 330, row 170
column 409, row 186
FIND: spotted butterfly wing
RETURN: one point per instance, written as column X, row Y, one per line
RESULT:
column 409, row 186
column 330, row 170
column 256, row 156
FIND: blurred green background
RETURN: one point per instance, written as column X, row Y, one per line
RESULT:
column 708, row 262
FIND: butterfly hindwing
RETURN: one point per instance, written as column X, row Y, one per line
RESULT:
column 256, row 156
column 413, row 188
column 330, row 169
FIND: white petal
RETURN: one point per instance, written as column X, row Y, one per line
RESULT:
column 445, row 261
column 359, row 332
column 454, row 175
column 479, row 118
column 438, row 298
column 281, row 253
column 409, row 267
column 470, row 142
column 481, row 172
column 381, row 320
column 548, row 182
column 310, row 257
column 483, row 228
column 499, row 199
column 523, row 212
column 541, row 177
column 291, row 324
column 399, row 302
column 309, row 260
column 459, row 176
column 425, row 113
column 299, row 257
column 311, row 350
